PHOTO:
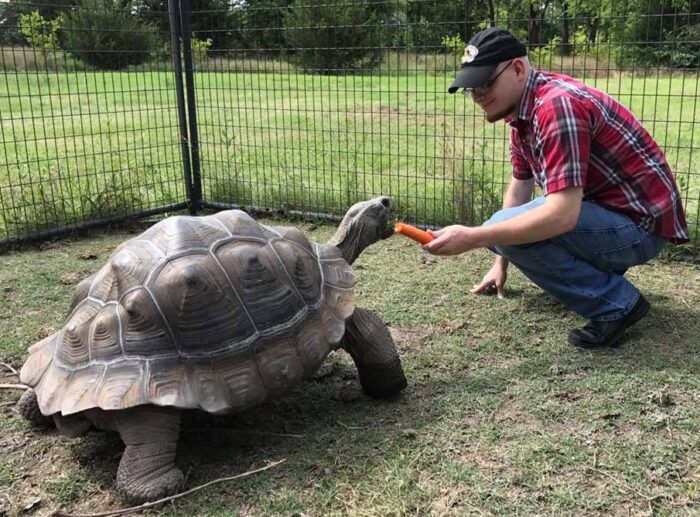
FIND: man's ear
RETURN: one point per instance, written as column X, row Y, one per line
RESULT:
column 520, row 67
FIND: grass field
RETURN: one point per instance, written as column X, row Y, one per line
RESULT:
column 501, row 416
column 77, row 146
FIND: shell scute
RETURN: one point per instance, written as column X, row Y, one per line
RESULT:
column 167, row 384
column 182, row 234
column 280, row 364
column 122, row 385
column 200, row 305
column 144, row 331
column 242, row 379
column 104, row 333
column 302, row 268
column 261, row 283
column 74, row 347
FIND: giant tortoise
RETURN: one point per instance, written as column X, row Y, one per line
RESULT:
column 216, row 313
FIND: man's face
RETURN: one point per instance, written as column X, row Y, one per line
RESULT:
column 500, row 97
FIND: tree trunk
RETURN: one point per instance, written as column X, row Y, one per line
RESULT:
column 565, row 47
column 492, row 14
column 591, row 24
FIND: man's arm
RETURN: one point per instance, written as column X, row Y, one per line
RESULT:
column 519, row 192
column 559, row 214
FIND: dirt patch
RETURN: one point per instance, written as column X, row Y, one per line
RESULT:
column 10, row 295
column 71, row 278
column 412, row 338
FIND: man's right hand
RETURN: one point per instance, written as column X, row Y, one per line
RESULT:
column 496, row 277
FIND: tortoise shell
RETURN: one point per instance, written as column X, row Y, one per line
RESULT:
column 215, row 312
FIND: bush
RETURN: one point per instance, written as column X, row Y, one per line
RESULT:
column 332, row 38
column 107, row 37
column 39, row 32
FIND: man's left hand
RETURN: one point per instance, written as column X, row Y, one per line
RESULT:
column 455, row 239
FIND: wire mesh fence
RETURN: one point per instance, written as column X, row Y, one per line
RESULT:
column 304, row 106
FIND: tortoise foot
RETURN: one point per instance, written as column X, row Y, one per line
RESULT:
column 28, row 407
column 146, row 490
column 382, row 380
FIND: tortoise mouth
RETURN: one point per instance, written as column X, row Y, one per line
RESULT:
column 387, row 224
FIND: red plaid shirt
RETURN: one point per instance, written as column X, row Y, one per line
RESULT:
column 571, row 135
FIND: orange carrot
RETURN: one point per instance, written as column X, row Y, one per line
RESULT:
column 413, row 233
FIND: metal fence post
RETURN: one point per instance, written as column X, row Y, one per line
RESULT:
column 175, row 35
column 185, row 15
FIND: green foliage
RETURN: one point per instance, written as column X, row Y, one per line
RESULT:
column 542, row 57
column 63, row 201
column 200, row 48
column 453, row 44
column 330, row 39
column 106, row 36
column 263, row 24
column 218, row 20
column 39, row 32
column 12, row 10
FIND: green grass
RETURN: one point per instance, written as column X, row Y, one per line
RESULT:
column 83, row 145
column 501, row 416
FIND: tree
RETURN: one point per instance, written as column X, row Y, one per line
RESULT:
column 331, row 38
column 106, row 36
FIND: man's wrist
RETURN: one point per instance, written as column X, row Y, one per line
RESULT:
column 501, row 261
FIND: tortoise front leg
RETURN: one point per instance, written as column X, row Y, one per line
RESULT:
column 147, row 469
column 368, row 341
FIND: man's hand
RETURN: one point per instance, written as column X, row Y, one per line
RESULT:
column 496, row 277
column 455, row 239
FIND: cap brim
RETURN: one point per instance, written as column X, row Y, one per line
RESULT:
column 472, row 77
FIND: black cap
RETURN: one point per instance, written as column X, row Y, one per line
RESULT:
column 483, row 53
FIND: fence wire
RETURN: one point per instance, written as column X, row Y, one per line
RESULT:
column 304, row 106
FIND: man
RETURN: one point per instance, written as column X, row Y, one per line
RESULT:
column 610, row 200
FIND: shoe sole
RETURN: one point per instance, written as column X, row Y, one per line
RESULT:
column 616, row 340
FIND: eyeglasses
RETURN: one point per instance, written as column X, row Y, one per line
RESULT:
column 484, row 89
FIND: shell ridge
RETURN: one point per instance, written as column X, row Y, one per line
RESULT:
column 101, row 303
column 222, row 225
column 98, row 385
column 165, row 320
column 150, row 245
column 120, row 330
column 291, row 281
column 235, row 292
column 157, row 267
column 272, row 230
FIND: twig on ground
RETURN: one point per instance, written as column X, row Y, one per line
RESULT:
column 15, row 372
column 346, row 426
column 240, row 431
column 133, row 509
column 14, row 387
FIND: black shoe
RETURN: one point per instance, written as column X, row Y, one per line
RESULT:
column 598, row 334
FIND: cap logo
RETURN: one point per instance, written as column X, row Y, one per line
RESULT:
column 470, row 52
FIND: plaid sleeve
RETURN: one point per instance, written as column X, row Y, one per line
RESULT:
column 563, row 130
column 521, row 169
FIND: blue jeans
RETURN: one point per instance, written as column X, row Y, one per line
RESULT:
column 584, row 269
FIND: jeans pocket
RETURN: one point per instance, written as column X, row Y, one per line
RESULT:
column 621, row 258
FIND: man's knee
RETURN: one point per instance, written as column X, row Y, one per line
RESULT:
column 500, row 216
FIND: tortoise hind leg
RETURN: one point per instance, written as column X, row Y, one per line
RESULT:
column 368, row 341
column 147, row 469
column 28, row 407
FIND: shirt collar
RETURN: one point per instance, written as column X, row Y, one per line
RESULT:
column 527, row 101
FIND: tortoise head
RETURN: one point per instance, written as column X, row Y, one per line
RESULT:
column 364, row 224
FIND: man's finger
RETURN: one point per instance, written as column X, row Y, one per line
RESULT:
column 480, row 288
column 500, row 292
